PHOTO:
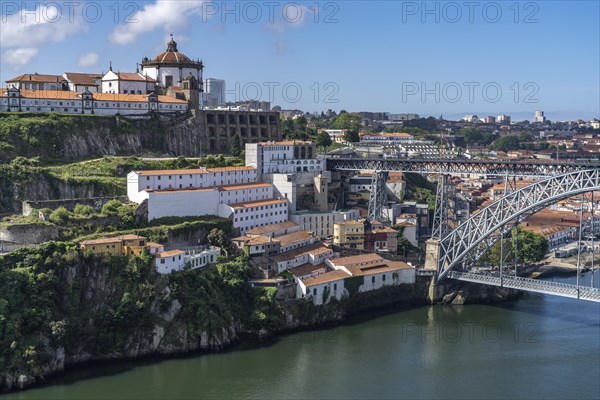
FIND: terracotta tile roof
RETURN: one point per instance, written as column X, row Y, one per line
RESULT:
column 37, row 78
column 134, row 98
column 116, row 239
column 519, row 185
column 326, row 278
column 295, row 237
column 100, row 241
column 260, row 240
column 192, row 171
column 349, row 223
column 232, row 169
column 307, row 269
column 258, row 203
column 240, row 186
column 45, row 94
column 266, row 229
column 169, row 253
column 315, row 249
column 69, row 95
column 133, row 76
column 131, row 237
column 154, row 245
column 171, row 172
column 177, row 190
column 378, row 268
column 83, row 79
column 356, row 260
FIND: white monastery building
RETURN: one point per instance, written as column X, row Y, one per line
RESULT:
column 230, row 192
column 112, row 93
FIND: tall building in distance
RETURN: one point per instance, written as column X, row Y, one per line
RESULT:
column 214, row 92
column 503, row 119
column 539, row 116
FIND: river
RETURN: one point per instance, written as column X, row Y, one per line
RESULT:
column 538, row 347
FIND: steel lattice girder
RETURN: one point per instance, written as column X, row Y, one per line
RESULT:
column 491, row 220
column 444, row 166
column 378, row 196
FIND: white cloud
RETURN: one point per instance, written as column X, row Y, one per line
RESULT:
column 29, row 30
column 19, row 57
column 165, row 14
column 88, row 59
column 35, row 28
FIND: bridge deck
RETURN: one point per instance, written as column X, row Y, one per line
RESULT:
column 532, row 168
column 530, row 285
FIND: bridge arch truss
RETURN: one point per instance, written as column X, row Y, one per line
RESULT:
column 470, row 240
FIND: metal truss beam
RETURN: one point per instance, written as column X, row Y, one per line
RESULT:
column 442, row 203
column 521, row 168
column 473, row 237
column 531, row 285
column 378, row 197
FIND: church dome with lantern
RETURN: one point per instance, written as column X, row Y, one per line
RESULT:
column 171, row 67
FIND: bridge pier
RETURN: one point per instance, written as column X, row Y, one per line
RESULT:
column 436, row 289
column 432, row 255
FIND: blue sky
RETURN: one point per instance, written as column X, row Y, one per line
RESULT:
column 430, row 58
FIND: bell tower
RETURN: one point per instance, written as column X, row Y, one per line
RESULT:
column 191, row 90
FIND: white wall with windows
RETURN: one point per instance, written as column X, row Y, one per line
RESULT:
column 169, row 261
column 252, row 214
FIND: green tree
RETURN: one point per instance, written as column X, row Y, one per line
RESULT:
column 323, row 139
column 217, row 237
column 507, row 143
column 81, row 209
column 472, row 136
column 530, row 247
column 236, row 146
column 60, row 216
column 111, row 207
column 348, row 121
column 352, row 136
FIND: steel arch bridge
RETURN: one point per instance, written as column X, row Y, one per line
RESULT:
column 470, row 240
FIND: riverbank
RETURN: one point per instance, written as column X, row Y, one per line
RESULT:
column 175, row 335
column 431, row 352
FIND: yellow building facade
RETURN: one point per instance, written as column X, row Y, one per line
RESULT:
column 350, row 234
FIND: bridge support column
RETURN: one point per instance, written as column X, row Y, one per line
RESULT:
column 432, row 255
column 378, row 198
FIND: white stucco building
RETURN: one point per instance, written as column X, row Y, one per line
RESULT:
column 67, row 102
column 78, row 82
column 200, row 259
column 321, row 223
column 375, row 271
column 283, row 157
column 37, row 82
column 140, row 181
column 169, row 261
column 127, row 83
column 251, row 214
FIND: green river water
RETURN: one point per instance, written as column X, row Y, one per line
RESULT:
column 539, row 347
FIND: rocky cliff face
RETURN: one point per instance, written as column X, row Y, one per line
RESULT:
column 81, row 309
column 85, row 309
column 42, row 186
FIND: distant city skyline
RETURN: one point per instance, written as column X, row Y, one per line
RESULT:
column 427, row 58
